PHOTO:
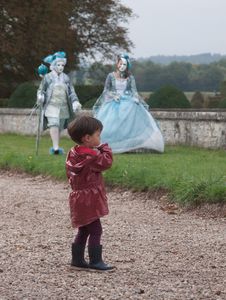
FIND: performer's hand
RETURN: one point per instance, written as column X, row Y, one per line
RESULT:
column 116, row 98
column 76, row 106
column 40, row 99
column 136, row 100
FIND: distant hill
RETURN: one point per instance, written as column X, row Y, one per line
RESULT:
column 203, row 58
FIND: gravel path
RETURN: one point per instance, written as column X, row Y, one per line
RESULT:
column 159, row 252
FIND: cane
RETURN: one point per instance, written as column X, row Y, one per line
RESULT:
column 40, row 121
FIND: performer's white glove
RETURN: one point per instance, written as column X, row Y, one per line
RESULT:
column 116, row 98
column 76, row 106
column 136, row 100
column 40, row 99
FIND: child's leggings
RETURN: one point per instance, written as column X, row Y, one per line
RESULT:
column 92, row 230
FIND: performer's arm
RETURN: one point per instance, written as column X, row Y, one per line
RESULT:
column 109, row 92
column 73, row 98
column 134, row 87
column 41, row 92
column 135, row 94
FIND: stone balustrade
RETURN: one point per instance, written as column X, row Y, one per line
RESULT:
column 202, row 128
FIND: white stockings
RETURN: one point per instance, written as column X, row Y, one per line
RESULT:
column 55, row 136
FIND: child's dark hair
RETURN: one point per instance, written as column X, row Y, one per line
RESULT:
column 81, row 126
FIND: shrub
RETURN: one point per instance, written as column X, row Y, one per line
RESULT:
column 222, row 104
column 214, row 101
column 4, row 102
column 168, row 97
column 88, row 92
column 89, row 104
column 223, row 88
column 197, row 100
column 24, row 95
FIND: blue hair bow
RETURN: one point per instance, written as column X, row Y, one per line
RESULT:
column 42, row 70
column 60, row 54
column 50, row 58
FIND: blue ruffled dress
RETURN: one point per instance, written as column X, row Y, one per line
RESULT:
column 127, row 123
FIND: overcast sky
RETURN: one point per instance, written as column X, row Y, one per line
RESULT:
column 177, row 27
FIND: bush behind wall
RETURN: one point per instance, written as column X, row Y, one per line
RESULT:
column 24, row 95
column 168, row 97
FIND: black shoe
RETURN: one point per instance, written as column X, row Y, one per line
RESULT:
column 96, row 262
column 56, row 152
column 78, row 260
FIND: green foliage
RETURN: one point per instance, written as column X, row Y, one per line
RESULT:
column 4, row 102
column 24, row 96
column 30, row 30
column 185, row 76
column 223, row 88
column 88, row 92
column 189, row 190
column 222, row 104
column 89, row 104
column 190, row 175
column 197, row 100
column 98, row 72
column 213, row 101
column 168, row 97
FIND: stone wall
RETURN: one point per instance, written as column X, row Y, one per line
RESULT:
column 195, row 128
column 186, row 127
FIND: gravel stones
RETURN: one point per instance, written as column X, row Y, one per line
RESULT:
column 158, row 254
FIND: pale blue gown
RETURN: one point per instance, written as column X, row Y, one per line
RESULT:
column 127, row 123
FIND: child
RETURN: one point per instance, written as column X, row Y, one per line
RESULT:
column 88, row 201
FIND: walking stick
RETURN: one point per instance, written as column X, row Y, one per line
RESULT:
column 40, row 123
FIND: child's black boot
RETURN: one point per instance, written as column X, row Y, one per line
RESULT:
column 78, row 260
column 96, row 262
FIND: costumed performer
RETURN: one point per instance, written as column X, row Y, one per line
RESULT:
column 57, row 96
column 127, row 123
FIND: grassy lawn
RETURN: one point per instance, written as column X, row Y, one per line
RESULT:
column 190, row 175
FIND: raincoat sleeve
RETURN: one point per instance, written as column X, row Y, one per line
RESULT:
column 103, row 159
column 71, row 165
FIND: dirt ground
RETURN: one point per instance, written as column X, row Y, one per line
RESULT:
column 160, row 251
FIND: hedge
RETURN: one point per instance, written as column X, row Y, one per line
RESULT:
column 168, row 97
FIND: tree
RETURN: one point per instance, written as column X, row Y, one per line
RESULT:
column 32, row 29
column 179, row 74
column 98, row 72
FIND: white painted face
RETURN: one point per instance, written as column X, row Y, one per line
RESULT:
column 59, row 67
column 122, row 65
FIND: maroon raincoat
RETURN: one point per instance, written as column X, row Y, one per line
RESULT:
column 88, row 201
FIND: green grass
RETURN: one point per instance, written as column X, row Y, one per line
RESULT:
column 18, row 152
column 189, row 175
